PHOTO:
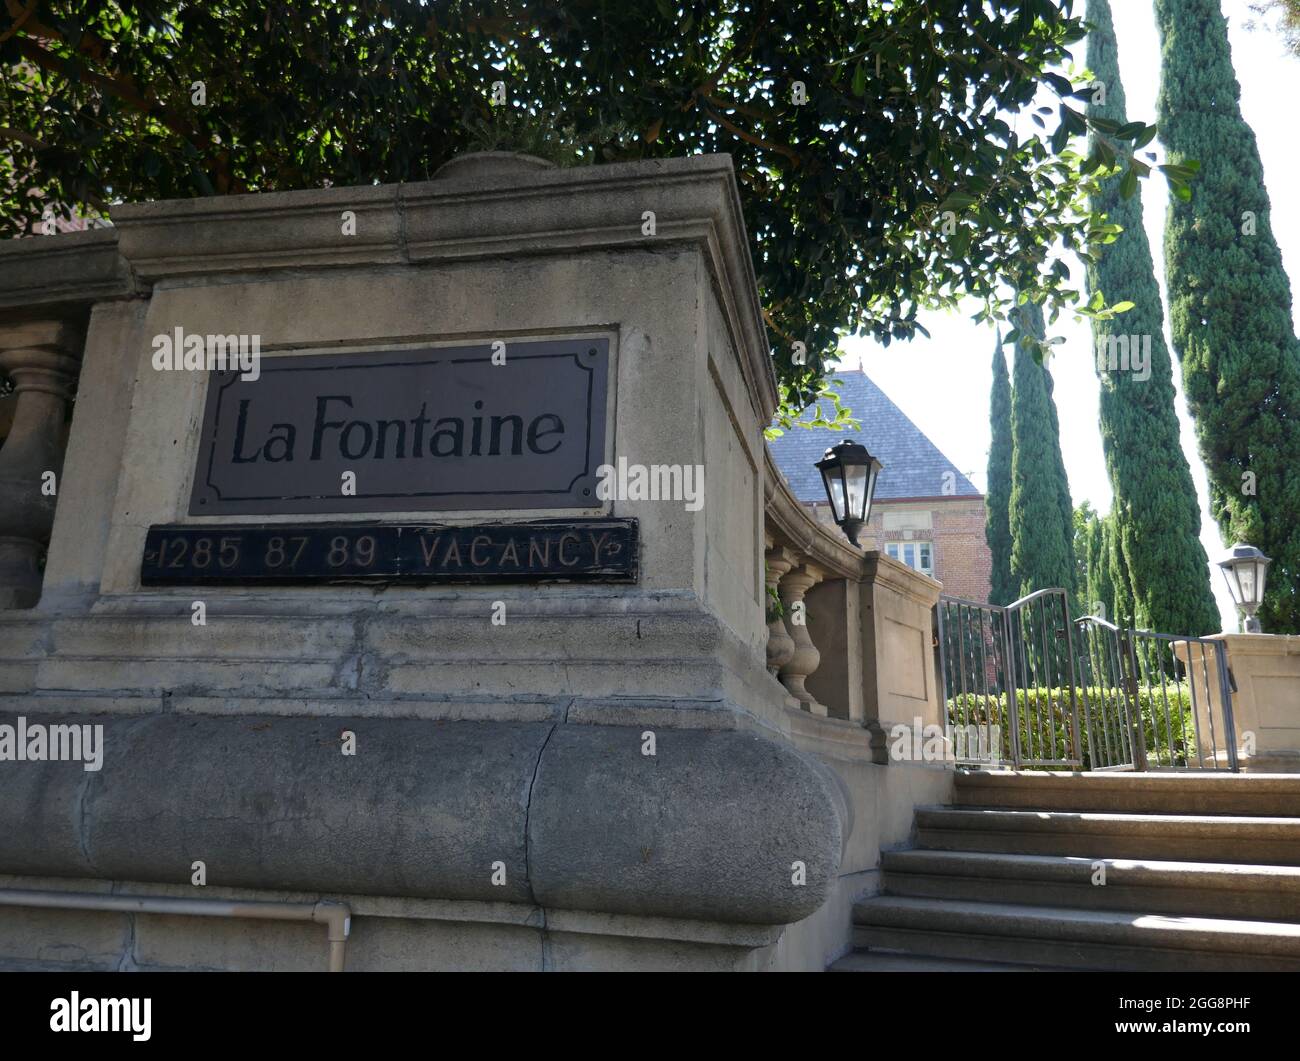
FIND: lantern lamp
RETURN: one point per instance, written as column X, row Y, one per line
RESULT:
column 849, row 474
column 1244, row 569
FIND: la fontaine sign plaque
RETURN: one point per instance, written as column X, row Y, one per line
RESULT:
column 438, row 429
column 434, row 429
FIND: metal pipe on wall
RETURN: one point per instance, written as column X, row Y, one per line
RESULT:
column 335, row 916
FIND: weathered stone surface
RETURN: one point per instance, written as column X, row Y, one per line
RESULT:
column 708, row 827
column 94, row 458
column 576, row 816
column 233, row 233
column 423, row 808
column 41, row 824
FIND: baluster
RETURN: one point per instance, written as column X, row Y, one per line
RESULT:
column 43, row 359
column 780, row 645
column 805, row 659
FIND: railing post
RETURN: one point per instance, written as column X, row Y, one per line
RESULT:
column 780, row 645
column 940, row 633
column 1012, row 685
column 43, row 359
column 1133, row 694
column 1070, row 676
column 805, row 658
column 1225, row 698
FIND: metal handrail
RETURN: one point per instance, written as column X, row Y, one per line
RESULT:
column 1096, row 619
column 1118, row 667
column 1034, row 596
column 1023, row 639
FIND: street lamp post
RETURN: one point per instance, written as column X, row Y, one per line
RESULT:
column 1244, row 569
column 849, row 474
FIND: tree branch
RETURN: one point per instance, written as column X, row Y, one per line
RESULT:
column 89, row 44
column 17, row 134
column 124, row 89
column 120, row 87
column 750, row 138
column 20, row 15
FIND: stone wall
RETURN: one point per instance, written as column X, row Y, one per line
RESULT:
column 502, row 809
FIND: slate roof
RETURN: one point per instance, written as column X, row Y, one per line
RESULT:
column 913, row 465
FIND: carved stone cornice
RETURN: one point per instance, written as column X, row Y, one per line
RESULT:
column 472, row 212
column 63, row 274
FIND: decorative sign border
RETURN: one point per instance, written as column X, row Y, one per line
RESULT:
column 597, row 550
column 588, row 356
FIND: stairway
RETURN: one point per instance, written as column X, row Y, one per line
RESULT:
column 1202, row 872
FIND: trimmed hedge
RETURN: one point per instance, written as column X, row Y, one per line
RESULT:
column 1044, row 716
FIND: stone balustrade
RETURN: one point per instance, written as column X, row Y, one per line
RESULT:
column 780, row 645
column 853, row 639
column 42, row 359
column 52, row 285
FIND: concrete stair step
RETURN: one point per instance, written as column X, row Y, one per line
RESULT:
column 1081, row 939
column 1200, row 793
column 870, row 961
column 1176, row 837
column 1210, row 889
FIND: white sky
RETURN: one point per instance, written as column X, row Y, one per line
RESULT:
column 942, row 383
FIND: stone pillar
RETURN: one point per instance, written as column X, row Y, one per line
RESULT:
column 780, row 645
column 42, row 358
column 794, row 584
column 835, row 626
column 1265, row 670
column 900, row 675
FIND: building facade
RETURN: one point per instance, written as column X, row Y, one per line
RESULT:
column 927, row 513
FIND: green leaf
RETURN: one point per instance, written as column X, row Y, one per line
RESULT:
column 957, row 201
column 1059, row 83
column 839, row 207
column 1128, row 185
column 1145, row 138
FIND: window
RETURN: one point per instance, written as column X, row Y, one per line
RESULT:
column 917, row 555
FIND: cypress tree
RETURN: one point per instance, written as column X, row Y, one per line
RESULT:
column 1062, row 484
column 997, row 528
column 1101, row 590
column 1158, row 519
column 1121, row 585
column 1230, row 303
column 1084, row 514
column 1041, row 516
